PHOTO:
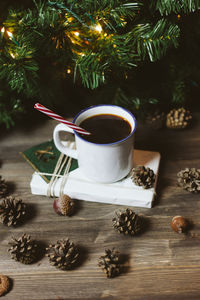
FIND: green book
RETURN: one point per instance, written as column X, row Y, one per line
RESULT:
column 43, row 158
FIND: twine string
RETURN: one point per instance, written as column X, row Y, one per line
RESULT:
column 59, row 172
column 65, row 176
column 48, row 174
column 63, row 163
column 53, row 177
column 66, row 173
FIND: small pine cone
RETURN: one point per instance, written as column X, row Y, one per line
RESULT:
column 63, row 255
column 3, row 187
column 178, row 118
column 110, row 263
column 156, row 119
column 11, row 211
column 189, row 179
column 127, row 222
column 24, row 249
column 143, row 176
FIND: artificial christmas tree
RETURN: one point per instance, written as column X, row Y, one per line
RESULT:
column 47, row 45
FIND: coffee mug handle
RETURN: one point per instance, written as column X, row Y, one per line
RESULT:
column 59, row 145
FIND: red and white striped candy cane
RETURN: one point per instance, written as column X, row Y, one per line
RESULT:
column 51, row 114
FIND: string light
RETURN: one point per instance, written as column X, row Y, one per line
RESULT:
column 12, row 37
column 70, row 19
column 98, row 28
column 13, row 55
column 10, row 34
column 2, row 32
column 68, row 71
column 76, row 33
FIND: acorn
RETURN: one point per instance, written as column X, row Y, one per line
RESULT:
column 179, row 224
column 63, row 205
column 4, row 285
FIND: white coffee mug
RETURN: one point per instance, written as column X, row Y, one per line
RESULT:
column 104, row 163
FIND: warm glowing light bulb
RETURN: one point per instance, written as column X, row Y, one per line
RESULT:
column 2, row 33
column 98, row 28
column 12, row 38
column 13, row 56
column 68, row 71
column 76, row 33
column 9, row 34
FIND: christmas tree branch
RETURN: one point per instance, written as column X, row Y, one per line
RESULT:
column 177, row 7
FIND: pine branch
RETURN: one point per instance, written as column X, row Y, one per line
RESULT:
column 178, row 91
column 91, row 72
column 10, row 107
column 19, row 69
column 154, row 41
column 90, row 40
column 101, row 51
column 177, row 7
column 140, row 105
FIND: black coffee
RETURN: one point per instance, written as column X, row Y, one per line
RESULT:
column 105, row 128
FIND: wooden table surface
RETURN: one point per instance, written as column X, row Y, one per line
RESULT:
column 159, row 264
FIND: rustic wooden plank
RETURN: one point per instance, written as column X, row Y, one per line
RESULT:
column 158, row 264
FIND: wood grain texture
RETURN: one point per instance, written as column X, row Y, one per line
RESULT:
column 158, row 265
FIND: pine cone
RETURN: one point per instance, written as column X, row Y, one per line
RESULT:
column 127, row 222
column 24, row 249
column 189, row 179
column 63, row 255
column 110, row 263
column 142, row 176
column 3, row 187
column 156, row 119
column 11, row 211
column 178, row 118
